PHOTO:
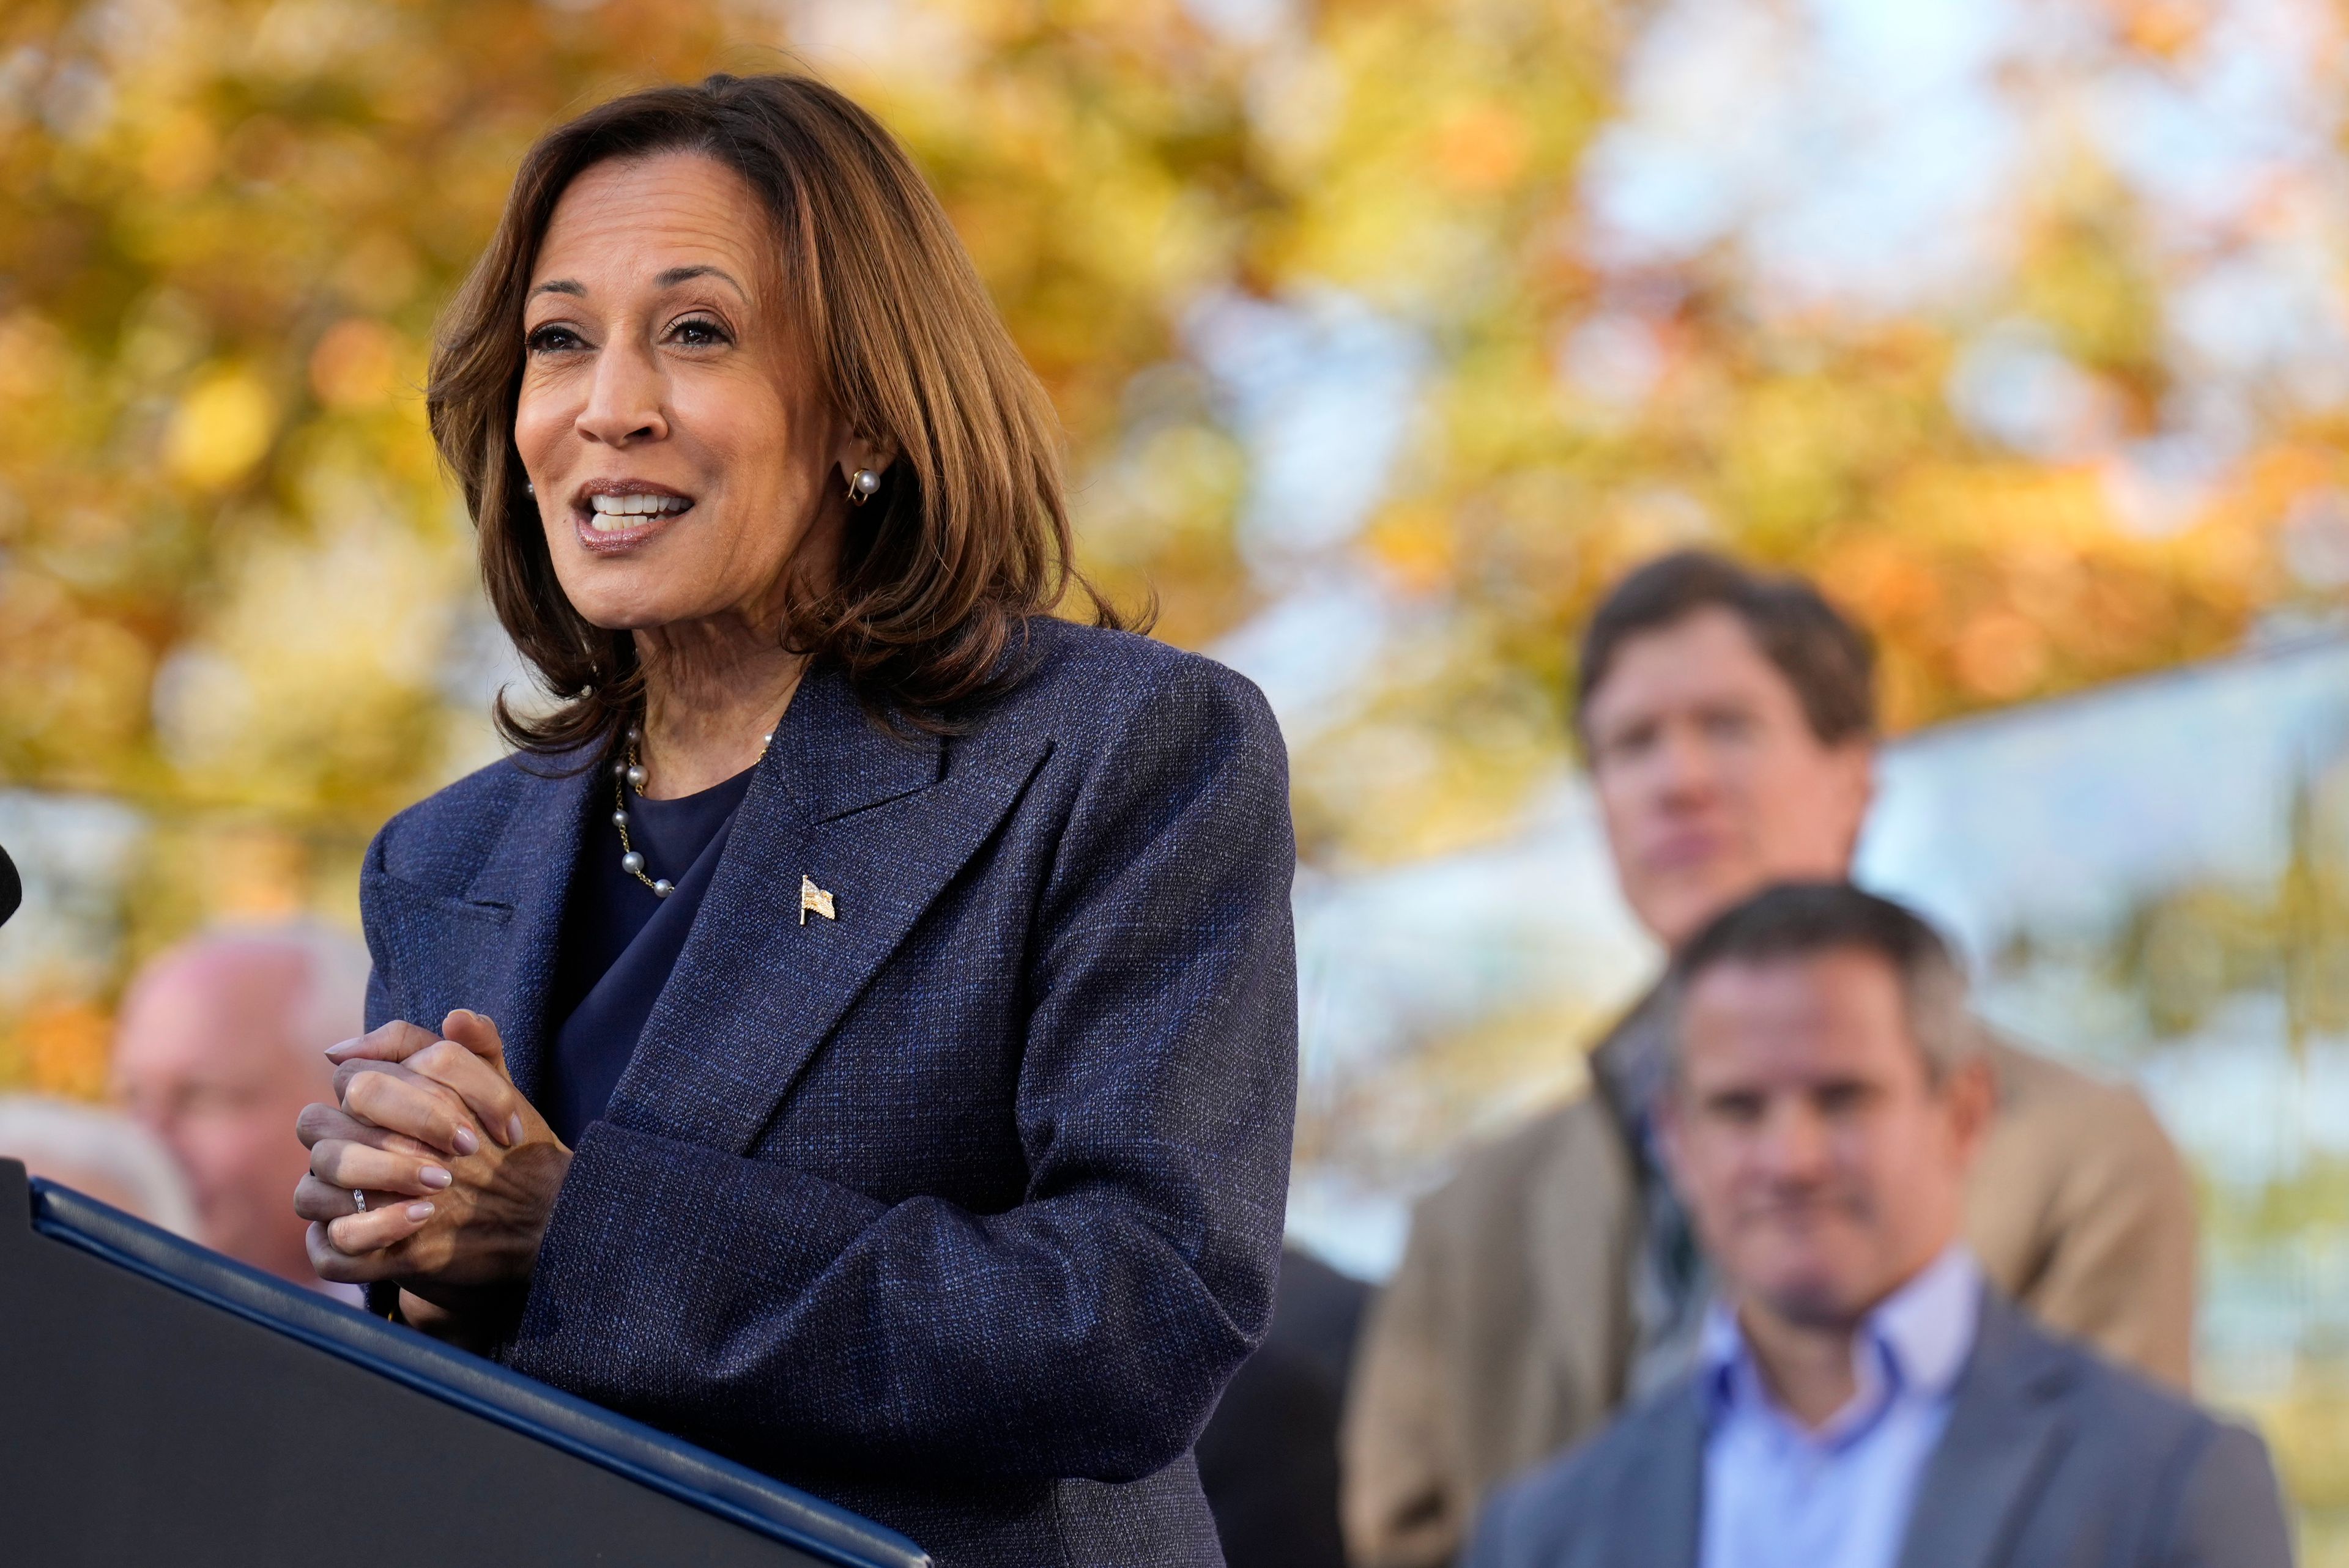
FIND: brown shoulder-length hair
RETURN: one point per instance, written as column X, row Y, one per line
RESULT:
column 969, row 534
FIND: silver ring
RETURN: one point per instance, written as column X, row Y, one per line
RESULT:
column 358, row 1196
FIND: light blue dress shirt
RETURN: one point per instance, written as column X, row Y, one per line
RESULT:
column 1779, row 1496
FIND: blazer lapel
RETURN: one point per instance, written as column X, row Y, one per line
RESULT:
column 528, row 876
column 2005, row 1422
column 1582, row 1220
column 1657, row 1521
column 876, row 821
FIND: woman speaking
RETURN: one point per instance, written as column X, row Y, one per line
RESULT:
column 855, row 1031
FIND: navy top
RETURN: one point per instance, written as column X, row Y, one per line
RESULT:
column 620, row 939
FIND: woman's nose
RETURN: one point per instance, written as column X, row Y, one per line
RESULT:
column 627, row 403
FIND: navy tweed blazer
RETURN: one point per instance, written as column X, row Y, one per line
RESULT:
column 958, row 1209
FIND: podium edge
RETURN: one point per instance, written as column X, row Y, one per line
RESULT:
column 809, row 1536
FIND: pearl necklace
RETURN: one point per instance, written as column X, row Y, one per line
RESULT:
column 629, row 774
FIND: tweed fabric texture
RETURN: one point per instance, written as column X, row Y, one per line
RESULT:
column 961, row 1209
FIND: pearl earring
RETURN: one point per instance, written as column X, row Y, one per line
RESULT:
column 528, row 487
column 861, row 484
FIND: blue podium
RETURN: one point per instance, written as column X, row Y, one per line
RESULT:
column 161, row 1403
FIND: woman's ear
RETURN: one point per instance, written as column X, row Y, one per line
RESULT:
column 857, row 454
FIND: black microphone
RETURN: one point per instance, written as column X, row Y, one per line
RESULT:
column 12, row 888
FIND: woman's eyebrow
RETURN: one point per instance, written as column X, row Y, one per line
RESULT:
column 675, row 275
column 561, row 286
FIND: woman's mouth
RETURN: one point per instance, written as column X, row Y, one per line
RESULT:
column 617, row 519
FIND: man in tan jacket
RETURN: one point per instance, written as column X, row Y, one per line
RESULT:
column 1729, row 723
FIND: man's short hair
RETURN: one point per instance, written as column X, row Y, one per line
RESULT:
column 1801, row 920
column 1826, row 658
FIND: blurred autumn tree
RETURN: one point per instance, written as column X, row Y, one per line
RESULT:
column 234, row 589
column 234, row 577
column 2075, row 424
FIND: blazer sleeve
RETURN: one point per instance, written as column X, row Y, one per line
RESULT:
column 378, row 999
column 2119, row 1270
column 1085, row 1332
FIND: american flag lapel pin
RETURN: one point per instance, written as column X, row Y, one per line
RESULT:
column 813, row 897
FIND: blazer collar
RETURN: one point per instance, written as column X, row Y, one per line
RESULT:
column 1584, row 1221
column 2009, row 1415
column 526, row 880
column 830, row 757
column 881, row 821
column 1629, row 1064
column 1655, row 1519
column 828, row 760
column 1918, row 1342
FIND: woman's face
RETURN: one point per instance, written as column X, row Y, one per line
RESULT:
column 669, row 420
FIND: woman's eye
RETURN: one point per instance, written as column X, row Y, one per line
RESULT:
column 553, row 339
column 700, row 332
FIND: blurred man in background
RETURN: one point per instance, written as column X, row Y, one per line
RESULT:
column 100, row 1153
column 219, row 1047
column 1728, row 720
column 1862, row 1400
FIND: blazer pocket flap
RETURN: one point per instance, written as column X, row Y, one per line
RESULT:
column 421, row 902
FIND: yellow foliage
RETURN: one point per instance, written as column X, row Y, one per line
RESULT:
column 233, row 579
column 220, row 430
column 356, row 364
column 235, row 588
column 62, row 1048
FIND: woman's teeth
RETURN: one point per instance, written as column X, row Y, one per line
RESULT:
column 612, row 513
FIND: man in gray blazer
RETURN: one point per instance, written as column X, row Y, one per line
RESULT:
column 1729, row 717
column 1863, row 1397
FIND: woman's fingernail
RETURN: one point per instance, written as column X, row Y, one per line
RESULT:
column 436, row 1178
column 420, row 1212
column 514, row 1128
column 465, row 1141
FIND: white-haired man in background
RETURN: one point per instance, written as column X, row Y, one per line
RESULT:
column 220, row 1044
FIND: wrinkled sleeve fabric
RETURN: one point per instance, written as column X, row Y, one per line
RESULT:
column 1085, row 1332
column 2230, row 1508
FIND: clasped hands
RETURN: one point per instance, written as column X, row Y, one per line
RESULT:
column 459, row 1171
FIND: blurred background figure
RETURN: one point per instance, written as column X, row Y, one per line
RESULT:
column 1384, row 339
column 220, row 1047
column 100, row 1153
column 1728, row 719
column 1862, row 1399
column 1268, row 1458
